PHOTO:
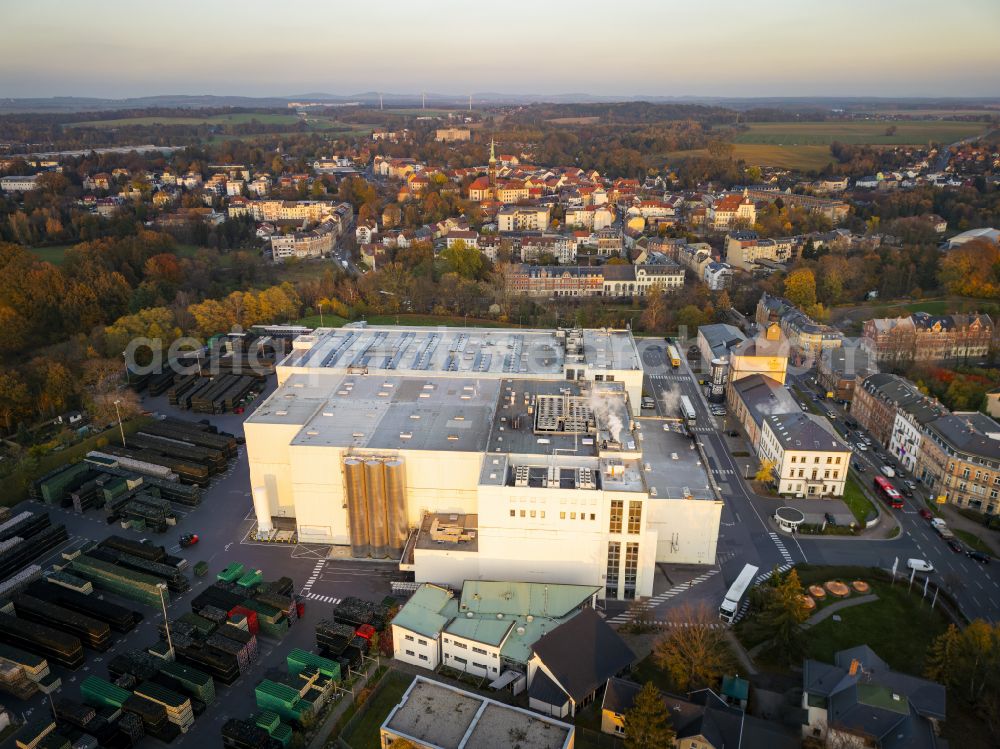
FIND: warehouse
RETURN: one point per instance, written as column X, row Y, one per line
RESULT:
column 481, row 454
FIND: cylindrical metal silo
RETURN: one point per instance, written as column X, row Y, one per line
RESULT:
column 262, row 509
column 357, row 508
column 378, row 531
column 395, row 493
column 718, row 381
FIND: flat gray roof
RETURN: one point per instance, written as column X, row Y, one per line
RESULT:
column 487, row 352
column 444, row 717
column 670, row 462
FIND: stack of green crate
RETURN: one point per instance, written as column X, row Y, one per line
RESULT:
column 231, row 573
column 201, row 569
column 128, row 583
column 283, row 700
column 197, row 683
column 299, row 659
column 53, row 488
column 250, row 579
column 101, row 693
column 200, row 623
column 272, row 622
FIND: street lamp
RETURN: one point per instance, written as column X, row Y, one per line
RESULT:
column 166, row 622
column 120, row 427
column 321, row 315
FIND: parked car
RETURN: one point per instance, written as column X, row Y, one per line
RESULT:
column 919, row 565
column 189, row 539
column 955, row 546
column 926, row 514
column 830, row 519
column 907, row 492
column 648, row 402
column 909, row 483
column 978, row 556
column 888, row 471
column 858, row 467
column 861, row 446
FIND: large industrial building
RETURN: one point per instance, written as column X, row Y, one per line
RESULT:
column 482, row 454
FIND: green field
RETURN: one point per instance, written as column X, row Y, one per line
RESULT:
column 915, row 132
column 55, row 254
column 799, row 158
column 237, row 118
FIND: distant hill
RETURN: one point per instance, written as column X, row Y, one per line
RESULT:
column 490, row 98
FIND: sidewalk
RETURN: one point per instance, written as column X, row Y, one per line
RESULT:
column 827, row 611
column 991, row 537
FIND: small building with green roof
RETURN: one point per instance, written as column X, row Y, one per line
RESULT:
column 487, row 631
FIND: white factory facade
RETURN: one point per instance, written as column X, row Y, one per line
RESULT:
column 481, row 454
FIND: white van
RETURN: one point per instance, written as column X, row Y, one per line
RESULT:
column 888, row 471
column 919, row 565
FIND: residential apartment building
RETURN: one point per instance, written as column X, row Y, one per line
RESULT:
column 922, row 337
column 593, row 217
column 809, row 458
column 637, row 280
column 835, row 210
column 806, row 337
column 840, row 369
column 744, row 249
column 452, row 134
column 558, row 246
column 908, row 428
column 960, row 461
column 523, row 218
column 753, row 397
column 718, row 276
column 731, row 211
column 878, row 400
column 24, row 183
column 311, row 211
column 695, row 257
column 316, row 242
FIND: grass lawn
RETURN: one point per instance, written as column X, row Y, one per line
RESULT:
column 647, row 670
column 972, row 541
column 55, row 254
column 855, row 498
column 915, row 132
column 900, row 627
column 365, row 734
column 236, row 118
column 334, row 321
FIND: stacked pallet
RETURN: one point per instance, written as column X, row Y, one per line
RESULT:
column 20, row 581
column 271, row 723
column 137, row 664
column 231, row 572
column 243, row 734
column 102, row 693
column 188, row 680
column 21, row 671
column 285, row 701
column 178, row 707
column 70, row 582
column 56, row 646
column 154, row 717
column 119, row 618
column 91, row 632
column 136, row 586
column 299, row 660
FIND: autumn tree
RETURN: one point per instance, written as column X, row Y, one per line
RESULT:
column 972, row 269
column 967, row 661
column 800, row 288
column 782, row 611
column 14, row 402
column 765, row 473
column 647, row 722
column 696, row 654
column 654, row 317
column 465, row 260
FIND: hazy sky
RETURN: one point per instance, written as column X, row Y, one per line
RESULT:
column 116, row 48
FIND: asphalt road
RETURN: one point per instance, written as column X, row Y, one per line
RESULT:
column 746, row 536
column 222, row 522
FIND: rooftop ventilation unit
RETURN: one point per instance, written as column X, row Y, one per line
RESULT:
column 521, row 476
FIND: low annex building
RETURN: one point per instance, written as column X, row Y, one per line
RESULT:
column 433, row 715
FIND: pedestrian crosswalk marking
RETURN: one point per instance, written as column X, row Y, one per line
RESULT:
column 324, row 599
column 666, row 595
